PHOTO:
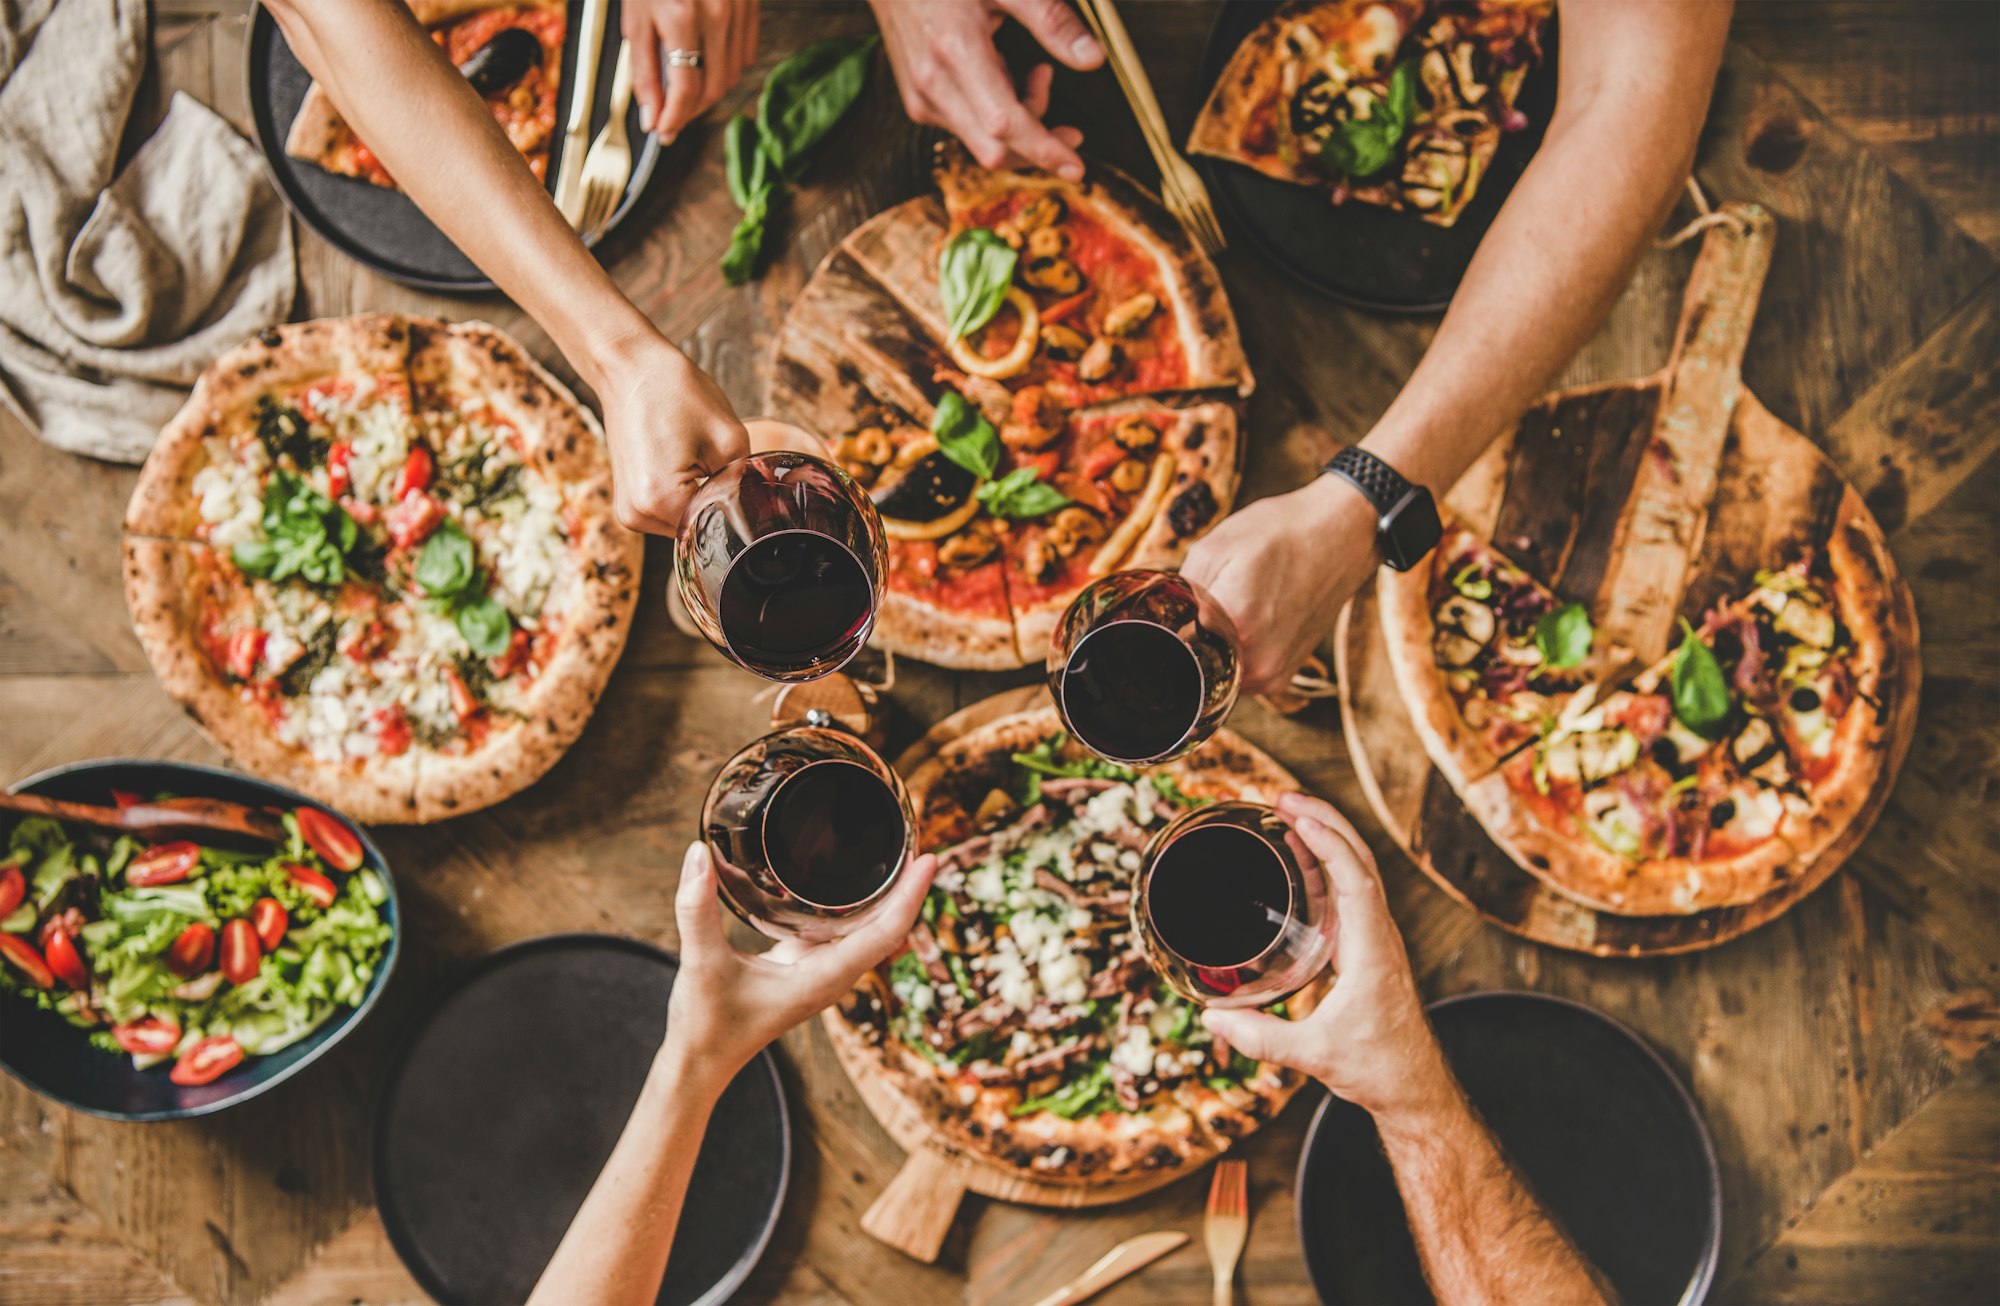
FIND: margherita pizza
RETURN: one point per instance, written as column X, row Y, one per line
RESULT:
column 375, row 558
column 1024, row 1020
column 512, row 54
column 1397, row 103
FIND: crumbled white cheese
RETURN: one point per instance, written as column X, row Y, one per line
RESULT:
column 227, row 496
column 1163, row 1019
column 1065, row 978
column 1021, row 1045
column 526, row 551
column 380, row 439
column 1134, row 1051
column 986, row 883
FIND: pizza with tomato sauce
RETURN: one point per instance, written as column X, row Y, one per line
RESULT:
column 375, row 558
column 1035, row 381
column 511, row 54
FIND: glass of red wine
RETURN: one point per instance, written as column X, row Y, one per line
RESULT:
column 1143, row 667
column 1232, row 908
column 808, row 828
column 780, row 563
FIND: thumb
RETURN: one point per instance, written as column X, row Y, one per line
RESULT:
column 1059, row 30
column 697, row 910
column 1256, row 1034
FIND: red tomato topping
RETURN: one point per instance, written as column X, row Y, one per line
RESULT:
column 192, row 951
column 206, row 1061
column 367, row 641
column 1645, row 715
column 330, row 837
column 514, row 658
column 463, row 704
column 125, row 798
column 65, row 962
column 21, row 955
column 339, row 480
column 1102, row 459
column 415, row 474
column 1043, row 463
column 246, row 646
column 316, row 886
column 413, row 518
column 13, row 888
column 163, row 863
column 268, row 918
column 392, row 730
column 148, row 1036
column 241, row 954
column 1062, row 308
column 365, row 513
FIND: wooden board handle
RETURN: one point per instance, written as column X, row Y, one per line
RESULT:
column 1718, row 308
column 914, row 1213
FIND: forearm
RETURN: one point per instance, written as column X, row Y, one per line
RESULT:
column 1481, row 1236
column 616, row 1248
column 403, row 98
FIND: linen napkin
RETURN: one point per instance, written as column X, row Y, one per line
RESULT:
column 118, row 288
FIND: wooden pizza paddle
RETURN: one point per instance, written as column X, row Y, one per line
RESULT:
column 1647, row 501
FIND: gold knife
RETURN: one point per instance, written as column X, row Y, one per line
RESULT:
column 582, row 95
column 1128, row 1257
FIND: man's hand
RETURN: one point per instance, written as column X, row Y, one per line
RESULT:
column 724, row 31
column 669, row 426
column 951, row 76
column 727, row 1004
column 1369, row 1040
column 1281, row 568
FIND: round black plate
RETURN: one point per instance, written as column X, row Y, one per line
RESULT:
column 1363, row 255
column 1598, row 1124
column 508, row 1099
column 382, row 228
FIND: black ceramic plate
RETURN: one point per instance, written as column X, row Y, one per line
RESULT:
column 382, row 228
column 1364, row 255
column 44, row 1052
column 509, row 1098
column 1602, row 1129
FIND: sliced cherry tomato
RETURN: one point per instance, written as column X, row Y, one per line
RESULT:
column 463, row 705
column 1062, row 308
column 514, row 658
column 149, row 1036
column 241, row 955
column 330, row 838
column 268, row 918
column 1044, row 463
column 65, row 962
column 13, row 888
column 207, row 1061
column 21, row 955
column 245, row 647
column 70, row 921
column 1102, row 460
column 415, row 474
column 312, row 883
column 192, row 951
column 163, row 863
column 392, row 730
column 125, row 798
column 361, row 511
column 339, row 480
column 413, row 518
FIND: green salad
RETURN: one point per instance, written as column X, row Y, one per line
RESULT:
column 187, row 953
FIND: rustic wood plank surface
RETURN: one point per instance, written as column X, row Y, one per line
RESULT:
column 1839, row 1053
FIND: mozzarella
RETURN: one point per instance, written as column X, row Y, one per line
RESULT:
column 380, row 439
column 1134, row 1051
column 228, row 497
column 526, row 550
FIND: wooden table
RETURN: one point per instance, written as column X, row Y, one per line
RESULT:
column 1842, row 1054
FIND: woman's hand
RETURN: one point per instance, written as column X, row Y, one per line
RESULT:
column 952, row 76
column 1281, row 568
column 723, row 31
column 1369, row 1040
column 727, row 1004
column 669, row 426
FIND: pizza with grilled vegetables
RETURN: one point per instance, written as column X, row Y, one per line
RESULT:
column 511, row 54
column 1396, row 103
column 1035, row 381
column 1023, row 1019
column 375, row 559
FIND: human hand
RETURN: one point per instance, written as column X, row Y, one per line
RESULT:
column 724, row 31
column 669, row 426
column 727, row 1004
column 952, row 76
column 1281, row 567
column 1368, row 1040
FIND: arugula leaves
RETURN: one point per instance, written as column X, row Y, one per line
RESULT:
column 1563, row 635
column 1166, row 788
column 1021, row 493
column 1701, row 694
column 965, row 436
column 1086, row 1095
column 448, row 570
column 802, row 99
column 973, row 275
column 306, row 534
column 1362, row 147
column 1044, row 760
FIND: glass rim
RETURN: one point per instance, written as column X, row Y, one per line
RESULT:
column 1168, row 837
column 728, row 646
column 902, row 847
column 1151, row 759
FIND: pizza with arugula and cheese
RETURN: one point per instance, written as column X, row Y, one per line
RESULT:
column 375, row 558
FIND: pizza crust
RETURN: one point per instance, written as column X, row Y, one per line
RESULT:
column 907, row 625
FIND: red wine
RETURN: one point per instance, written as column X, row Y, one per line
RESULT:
column 795, row 600
column 1131, row 690
column 1218, row 896
column 833, row 833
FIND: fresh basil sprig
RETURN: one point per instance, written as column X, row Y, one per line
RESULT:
column 485, row 625
column 965, row 436
column 448, row 570
column 1702, row 699
column 973, row 275
column 1563, row 636
column 306, row 534
column 1362, row 147
column 1021, row 493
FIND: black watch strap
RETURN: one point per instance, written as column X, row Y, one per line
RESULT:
column 1383, row 484
column 1406, row 520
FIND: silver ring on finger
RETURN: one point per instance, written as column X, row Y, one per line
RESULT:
column 683, row 58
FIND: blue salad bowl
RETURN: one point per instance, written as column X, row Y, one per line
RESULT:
column 57, row 1060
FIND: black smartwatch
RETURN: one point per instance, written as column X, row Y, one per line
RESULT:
column 1406, row 518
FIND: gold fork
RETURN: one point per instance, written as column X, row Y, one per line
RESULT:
column 1227, row 1226
column 608, row 166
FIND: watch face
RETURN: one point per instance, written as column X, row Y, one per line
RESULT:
column 1410, row 529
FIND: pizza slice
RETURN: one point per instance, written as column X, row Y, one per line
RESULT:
column 511, row 54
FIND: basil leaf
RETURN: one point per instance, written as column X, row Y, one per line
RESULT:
column 447, row 564
column 973, row 275
column 486, row 626
column 807, row 94
column 1702, row 699
column 746, row 243
column 1564, row 636
column 305, row 534
column 745, row 165
column 254, row 557
column 965, row 436
column 1021, row 494
column 1362, row 147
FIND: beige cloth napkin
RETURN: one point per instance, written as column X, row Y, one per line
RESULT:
column 116, row 289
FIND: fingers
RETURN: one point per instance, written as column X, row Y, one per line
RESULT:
column 1059, row 30
column 680, row 29
column 1367, row 938
column 1035, row 90
column 1256, row 1034
column 697, row 911
column 646, row 88
column 885, row 929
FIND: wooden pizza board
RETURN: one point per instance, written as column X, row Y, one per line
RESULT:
column 914, row 1213
column 1589, row 494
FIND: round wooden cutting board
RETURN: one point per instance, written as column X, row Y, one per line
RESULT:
column 1646, row 501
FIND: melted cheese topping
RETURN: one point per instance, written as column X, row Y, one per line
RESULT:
column 228, row 493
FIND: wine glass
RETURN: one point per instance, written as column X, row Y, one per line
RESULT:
column 1143, row 666
column 808, row 829
column 1232, row 908
column 780, row 564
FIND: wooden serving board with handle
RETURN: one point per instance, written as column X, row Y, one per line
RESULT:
column 1646, row 501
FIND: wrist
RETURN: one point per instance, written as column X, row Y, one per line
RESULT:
column 611, row 344
column 689, row 1076
column 1338, row 515
column 1428, row 1103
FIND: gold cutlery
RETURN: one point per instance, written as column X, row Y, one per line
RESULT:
column 589, row 46
column 608, row 166
column 1227, row 1225
column 1128, row 1257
